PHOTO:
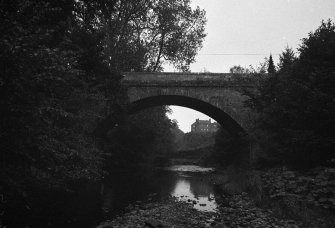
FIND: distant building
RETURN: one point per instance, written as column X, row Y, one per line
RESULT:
column 204, row 126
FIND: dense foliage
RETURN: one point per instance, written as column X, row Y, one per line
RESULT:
column 195, row 140
column 152, row 140
column 47, row 103
column 230, row 149
column 296, row 104
column 141, row 35
column 59, row 77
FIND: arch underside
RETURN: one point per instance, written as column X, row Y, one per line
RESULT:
column 214, row 112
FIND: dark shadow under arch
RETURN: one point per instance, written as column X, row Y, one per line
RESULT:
column 119, row 112
column 217, row 114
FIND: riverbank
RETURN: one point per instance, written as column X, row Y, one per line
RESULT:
column 169, row 213
column 197, row 156
column 233, row 211
column 304, row 196
column 270, row 198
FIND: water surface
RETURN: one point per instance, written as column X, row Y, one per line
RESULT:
column 187, row 183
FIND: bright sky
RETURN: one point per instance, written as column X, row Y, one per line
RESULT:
column 244, row 32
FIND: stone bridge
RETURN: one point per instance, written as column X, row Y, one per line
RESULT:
column 214, row 94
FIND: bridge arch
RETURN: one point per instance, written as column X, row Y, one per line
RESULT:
column 215, row 90
column 210, row 110
column 217, row 95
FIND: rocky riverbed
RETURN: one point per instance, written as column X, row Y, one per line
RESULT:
column 233, row 211
column 273, row 198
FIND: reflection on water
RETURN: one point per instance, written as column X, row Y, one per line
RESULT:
column 187, row 183
column 196, row 190
column 190, row 168
column 92, row 202
column 182, row 188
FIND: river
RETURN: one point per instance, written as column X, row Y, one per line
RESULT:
column 88, row 204
column 134, row 189
column 184, row 182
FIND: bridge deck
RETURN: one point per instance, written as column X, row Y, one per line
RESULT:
column 163, row 79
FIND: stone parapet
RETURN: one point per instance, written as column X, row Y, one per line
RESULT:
column 166, row 79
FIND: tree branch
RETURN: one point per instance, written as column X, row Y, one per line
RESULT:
column 160, row 51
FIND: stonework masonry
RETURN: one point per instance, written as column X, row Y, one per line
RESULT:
column 219, row 96
column 216, row 90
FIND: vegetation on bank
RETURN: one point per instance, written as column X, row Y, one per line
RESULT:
column 59, row 77
column 193, row 148
column 196, row 140
column 295, row 102
column 145, row 138
column 305, row 195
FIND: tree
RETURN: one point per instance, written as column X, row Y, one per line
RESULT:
column 286, row 60
column 271, row 66
column 295, row 106
column 50, row 102
column 42, row 94
column 151, row 137
column 141, row 35
column 317, row 50
column 314, row 84
column 59, row 71
column 239, row 70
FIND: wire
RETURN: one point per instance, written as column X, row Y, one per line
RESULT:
column 236, row 54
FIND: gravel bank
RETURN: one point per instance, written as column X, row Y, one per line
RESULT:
column 234, row 211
